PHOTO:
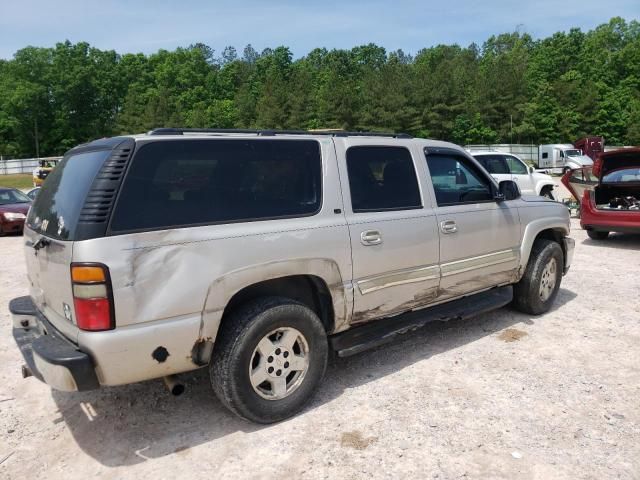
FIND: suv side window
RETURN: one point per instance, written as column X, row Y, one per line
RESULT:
column 494, row 164
column 199, row 182
column 457, row 181
column 516, row 166
column 382, row 178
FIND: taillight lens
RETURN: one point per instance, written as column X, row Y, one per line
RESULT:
column 92, row 296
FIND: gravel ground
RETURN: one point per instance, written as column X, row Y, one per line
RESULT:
column 504, row 395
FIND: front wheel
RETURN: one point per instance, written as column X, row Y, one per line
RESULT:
column 537, row 289
column 269, row 359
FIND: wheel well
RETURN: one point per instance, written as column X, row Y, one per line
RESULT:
column 309, row 290
column 553, row 235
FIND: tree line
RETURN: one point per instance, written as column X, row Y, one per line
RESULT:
column 512, row 89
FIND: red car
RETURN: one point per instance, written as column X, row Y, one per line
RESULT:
column 609, row 193
column 14, row 206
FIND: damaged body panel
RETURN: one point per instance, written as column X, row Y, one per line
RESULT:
column 177, row 231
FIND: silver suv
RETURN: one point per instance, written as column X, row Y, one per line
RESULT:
column 256, row 253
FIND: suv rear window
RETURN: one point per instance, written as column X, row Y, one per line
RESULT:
column 56, row 210
column 199, row 182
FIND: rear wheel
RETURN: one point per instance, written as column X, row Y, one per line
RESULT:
column 595, row 235
column 537, row 289
column 269, row 359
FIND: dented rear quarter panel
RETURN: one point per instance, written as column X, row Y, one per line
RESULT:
column 170, row 287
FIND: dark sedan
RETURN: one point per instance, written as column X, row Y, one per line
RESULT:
column 14, row 206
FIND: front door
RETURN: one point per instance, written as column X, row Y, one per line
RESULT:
column 393, row 230
column 521, row 175
column 479, row 236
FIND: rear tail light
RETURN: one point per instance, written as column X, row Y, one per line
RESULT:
column 92, row 296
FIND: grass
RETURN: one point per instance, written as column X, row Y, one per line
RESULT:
column 22, row 181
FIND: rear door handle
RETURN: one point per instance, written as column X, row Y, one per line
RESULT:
column 370, row 237
column 448, row 226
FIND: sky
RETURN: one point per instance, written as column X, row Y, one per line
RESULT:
column 147, row 26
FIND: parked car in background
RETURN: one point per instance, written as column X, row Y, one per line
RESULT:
column 506, row 166
column 609, row 193
column 255, row 253
column 14, row 206
column 32, row 194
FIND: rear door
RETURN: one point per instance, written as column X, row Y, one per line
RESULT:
column 479, row 237
column 392, row 227
column 52, row 223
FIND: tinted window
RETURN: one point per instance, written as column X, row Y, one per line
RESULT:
column 494, row 164
column 456, row 180
column 56, row 209
column 382, row 178
column 516, row 166
column 178, row 183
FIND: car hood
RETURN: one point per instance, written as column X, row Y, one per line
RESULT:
column 535, row 198
column 581, row 160
column 15, row 208
column 608, row 161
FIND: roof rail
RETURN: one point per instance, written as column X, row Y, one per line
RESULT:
column 269, row 133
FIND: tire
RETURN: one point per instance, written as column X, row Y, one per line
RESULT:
column 528, row 294
column 547, row 192
column 596, row 235
column 249, row 337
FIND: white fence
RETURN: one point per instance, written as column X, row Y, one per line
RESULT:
column 528, row 153
column 23, row 165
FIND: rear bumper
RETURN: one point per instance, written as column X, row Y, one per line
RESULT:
column 48, row 354
column 569, row 247
column 623, row 221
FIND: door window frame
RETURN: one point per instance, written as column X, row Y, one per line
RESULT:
column 383, row 210
column 479, row 169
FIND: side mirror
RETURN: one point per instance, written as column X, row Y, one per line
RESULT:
column 531, row 169
column 507, row 190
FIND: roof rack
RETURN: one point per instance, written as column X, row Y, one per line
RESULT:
column 270, row 133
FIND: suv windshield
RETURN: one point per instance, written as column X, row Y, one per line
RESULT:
column 56, row 209
column 8, row 197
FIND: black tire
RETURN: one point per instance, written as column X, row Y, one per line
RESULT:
column 526, row 293
column 595, row 235
column 547, row 192
column 233, row 353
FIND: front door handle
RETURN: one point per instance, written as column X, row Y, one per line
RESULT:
column 448, row 226
column 370, row 237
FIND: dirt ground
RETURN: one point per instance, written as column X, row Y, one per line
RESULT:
column 504, row 395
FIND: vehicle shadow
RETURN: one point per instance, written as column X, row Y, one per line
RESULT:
column 131, row 424
column 623, row 241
